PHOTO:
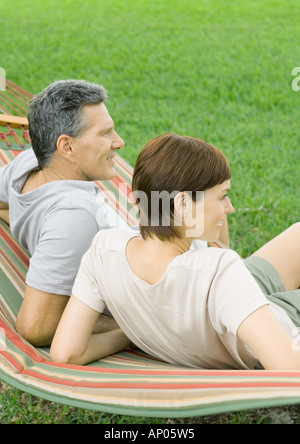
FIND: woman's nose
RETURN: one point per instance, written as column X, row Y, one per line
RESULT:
column 229, row 207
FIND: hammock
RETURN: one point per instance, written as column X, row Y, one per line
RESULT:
column 130, row 382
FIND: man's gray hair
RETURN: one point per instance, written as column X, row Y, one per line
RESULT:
column 56, row 111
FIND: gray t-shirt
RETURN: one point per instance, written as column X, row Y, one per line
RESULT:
column 56, row 223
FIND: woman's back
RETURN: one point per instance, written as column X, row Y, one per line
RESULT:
column 190, row 316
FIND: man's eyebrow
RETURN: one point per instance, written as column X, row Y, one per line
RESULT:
column 106, row 130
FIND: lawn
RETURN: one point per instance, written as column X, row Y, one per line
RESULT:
column 218, row 70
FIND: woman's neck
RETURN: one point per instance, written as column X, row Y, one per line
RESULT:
column 167, row 248
column 150, row 258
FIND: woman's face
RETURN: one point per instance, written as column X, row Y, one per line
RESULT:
column 216, row 205
column 206, row 219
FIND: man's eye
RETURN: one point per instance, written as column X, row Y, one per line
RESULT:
column 106, row 132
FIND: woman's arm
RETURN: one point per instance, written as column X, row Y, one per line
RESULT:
column 269, row 341
column 74, row 342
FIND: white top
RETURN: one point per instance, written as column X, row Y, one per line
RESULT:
column 55, row 222
column 190, row 317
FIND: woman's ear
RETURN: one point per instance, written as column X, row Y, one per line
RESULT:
column 182, row 204
column 189, row 215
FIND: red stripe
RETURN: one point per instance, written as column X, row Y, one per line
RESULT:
column 14, row 152
column 153, row 385
column 12, row 361
column 29, row 351
column 184, row 372
column 12, row 266
column 14, row 247
column 4, row 161
column 18, row 342
column 117, row 180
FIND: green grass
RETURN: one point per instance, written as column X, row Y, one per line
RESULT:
column 17, row 407
column 219, row 70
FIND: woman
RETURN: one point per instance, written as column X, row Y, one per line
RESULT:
column 203, row 308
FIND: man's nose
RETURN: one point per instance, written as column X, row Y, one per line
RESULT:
column 118, row 143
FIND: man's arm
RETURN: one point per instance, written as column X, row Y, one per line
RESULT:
column 65, row 236
column 4, row 212
column 39, row 316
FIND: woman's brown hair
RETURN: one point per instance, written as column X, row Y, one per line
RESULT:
column 169, row 164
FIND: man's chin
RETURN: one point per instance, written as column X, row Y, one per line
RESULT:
column 112, row 175
column 109, row 175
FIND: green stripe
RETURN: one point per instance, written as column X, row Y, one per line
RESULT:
column 10, row 294
column 159, row 412
column 14, row 146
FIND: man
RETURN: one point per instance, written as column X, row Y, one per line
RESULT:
column 48, row 196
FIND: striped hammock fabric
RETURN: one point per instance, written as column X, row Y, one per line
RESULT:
column 129, row 382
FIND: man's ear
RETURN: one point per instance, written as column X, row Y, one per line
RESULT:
column 64, row 145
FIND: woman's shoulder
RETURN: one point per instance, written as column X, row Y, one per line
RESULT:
column 210, row 257
column 114, row 238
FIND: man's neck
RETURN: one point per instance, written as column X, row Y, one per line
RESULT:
column 49, row 174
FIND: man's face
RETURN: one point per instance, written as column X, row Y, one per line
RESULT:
column 95, row 149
